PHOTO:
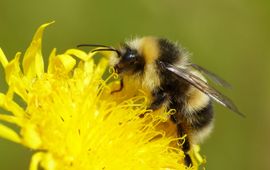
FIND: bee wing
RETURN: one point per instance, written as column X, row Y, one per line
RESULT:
column 215, row 78
column 203, row 87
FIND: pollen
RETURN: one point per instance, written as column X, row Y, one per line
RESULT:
column 70, row 120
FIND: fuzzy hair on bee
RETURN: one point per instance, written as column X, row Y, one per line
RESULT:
column 163, row 69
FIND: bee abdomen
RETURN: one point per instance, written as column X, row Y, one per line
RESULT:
column 202, row 123
column 202, row 117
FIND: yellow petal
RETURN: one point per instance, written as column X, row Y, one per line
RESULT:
column 67, row 61
column 197, row 154
column 14, row 77
column 12, row 69
column 11, row 119
column 8, row 133
column 35, row 161
column 48, row 162
column 33, row 62
column 31, row 137
column 51, row 61
column 45, row 160
column 11, row 106
column 106, row 54
column 3, row 58
column 60, row 63
column 78, row 53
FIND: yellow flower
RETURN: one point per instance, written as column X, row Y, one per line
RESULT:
column 71, row 120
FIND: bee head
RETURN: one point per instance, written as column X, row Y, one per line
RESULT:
column 135, row 55
column 128, row 61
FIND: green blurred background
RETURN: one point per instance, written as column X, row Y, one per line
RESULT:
column 229, row 37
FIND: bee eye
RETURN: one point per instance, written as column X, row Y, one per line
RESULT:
column 130, row 56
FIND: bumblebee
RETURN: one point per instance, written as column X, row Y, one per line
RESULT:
column 164, row 70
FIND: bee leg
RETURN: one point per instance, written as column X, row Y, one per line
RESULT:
column 184, row 142
column 159, row 97
column 121, row 87
column 185, row 145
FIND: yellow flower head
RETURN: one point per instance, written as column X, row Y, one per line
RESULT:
column 71, row 120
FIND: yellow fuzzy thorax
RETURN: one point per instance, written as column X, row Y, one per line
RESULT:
column 71, row 121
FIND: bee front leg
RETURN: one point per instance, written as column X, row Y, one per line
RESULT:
column 121, row 87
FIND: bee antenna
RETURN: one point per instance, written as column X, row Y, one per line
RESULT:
column 92, row 45
column 107, row 49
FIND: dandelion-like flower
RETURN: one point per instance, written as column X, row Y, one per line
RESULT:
column 71, row 121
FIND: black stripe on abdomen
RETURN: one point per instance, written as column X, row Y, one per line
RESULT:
column 203, row 117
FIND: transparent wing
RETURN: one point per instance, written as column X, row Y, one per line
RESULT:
column 215, row 78
column 203, row 87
